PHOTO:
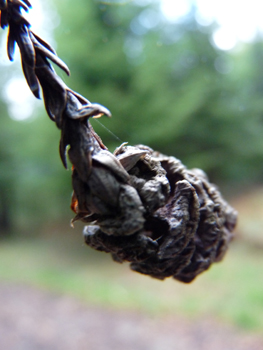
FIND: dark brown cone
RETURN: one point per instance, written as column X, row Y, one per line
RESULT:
column 187, row 224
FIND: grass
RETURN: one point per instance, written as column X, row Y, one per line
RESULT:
column 231, row 291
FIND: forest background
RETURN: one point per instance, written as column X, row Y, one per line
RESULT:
column 168, row 86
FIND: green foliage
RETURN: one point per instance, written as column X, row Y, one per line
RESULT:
column 33, row 185
column 166, row 85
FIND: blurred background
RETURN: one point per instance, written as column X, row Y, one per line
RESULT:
column 184, row 77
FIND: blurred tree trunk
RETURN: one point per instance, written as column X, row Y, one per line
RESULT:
column 5, row 214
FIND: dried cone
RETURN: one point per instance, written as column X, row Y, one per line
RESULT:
column 187, row 224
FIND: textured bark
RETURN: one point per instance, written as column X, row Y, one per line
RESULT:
column 141, row 206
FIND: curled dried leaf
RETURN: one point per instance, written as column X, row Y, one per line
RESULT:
column 31, row 79
column 41, row 48
column 11, row 44
column 3, row 4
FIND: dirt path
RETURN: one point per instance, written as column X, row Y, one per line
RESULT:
column 31, row 319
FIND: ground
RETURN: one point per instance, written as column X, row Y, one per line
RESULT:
column 34, row 319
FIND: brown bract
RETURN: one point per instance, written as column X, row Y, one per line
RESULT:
column 187, row 224
column 141, row 206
